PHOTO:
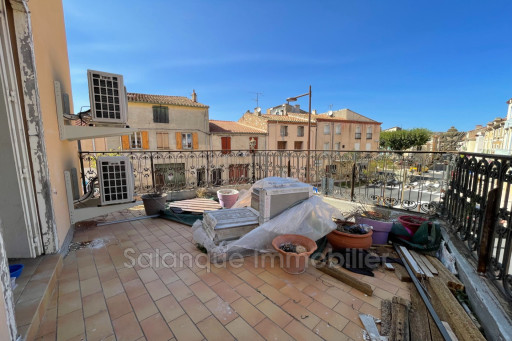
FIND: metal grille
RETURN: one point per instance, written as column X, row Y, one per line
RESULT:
column 116, row 183
column 106, row 93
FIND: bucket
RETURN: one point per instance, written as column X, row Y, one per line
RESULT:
column 411, row 224
column 15, row 270
column 381, row 229
column 153, row 203
column 227, row 197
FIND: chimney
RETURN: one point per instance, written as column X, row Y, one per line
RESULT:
column 194, row 95
column 313, row 112
column 297, row 106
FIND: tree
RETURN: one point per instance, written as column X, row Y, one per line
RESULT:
column 404, row 139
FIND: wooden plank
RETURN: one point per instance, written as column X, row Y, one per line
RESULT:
column 417, row 318
column 385, row 317
column 422, row 265
column 370, row 326
column 402, row 274
column 412, row 263
column 399, row 320
column 449, row 310
column 343, row 276
column 389, row 267
column 449, row 279
column 431, row 267
column 450, row 331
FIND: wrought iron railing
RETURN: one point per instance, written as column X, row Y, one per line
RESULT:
column 412, row 181
column 481, row 220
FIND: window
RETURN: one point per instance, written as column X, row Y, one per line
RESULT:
column 281, row 145
column 253, row 143
column 162, row 140
column 300, row 131
column 160, row 114
column 327, row 129
column 338, row 129
column 297, row 145
column 284, row 130
column 368, row 146
column 357, row 146
column 225, row 144
column 186, row 141
column 170, row 175
column 338, row 145
column 239, row 174
column 136, row 140
column 326, row 146
column 369, row 132
column 358, row 132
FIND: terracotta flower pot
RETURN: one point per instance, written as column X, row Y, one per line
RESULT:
column 291, row 262
column 342, row 240
column 381, row 229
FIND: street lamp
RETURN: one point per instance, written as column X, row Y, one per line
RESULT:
column 293, row 99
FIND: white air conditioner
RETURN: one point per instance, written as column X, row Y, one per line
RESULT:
column 116, row 179
column 107, row 95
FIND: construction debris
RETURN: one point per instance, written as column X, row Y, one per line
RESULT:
column 399, row 319
column 345, row 276
column 385, row 317
column 370, row 326
column 230, row 224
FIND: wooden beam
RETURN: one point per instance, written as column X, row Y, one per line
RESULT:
column 402, row 274
column 343, row 276
column 417, row 318
column 421, row 264
column 399, row 320
column 412, row 263
column 385, row 317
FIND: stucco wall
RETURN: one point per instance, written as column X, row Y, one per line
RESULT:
column 52, row 64
column 238, row 142
column 347, row 136
column 274, row 135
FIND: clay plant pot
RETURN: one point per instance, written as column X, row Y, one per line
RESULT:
column 291, row 262
column 411, row 224
column 342, row 240
column 227, row 197
column 381, row 229
column 154, row 202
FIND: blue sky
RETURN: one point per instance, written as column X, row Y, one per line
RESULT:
column 404, row 63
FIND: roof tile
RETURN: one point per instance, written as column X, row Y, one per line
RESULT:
column 161, row 99
column 232, row 127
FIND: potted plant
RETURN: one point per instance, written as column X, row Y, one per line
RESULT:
column 154, row 202
column 379, row 221
column 294, row 250
column 411, row 224
column 349, row 235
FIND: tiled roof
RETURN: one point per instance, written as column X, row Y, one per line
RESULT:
column 232, row 127
column 161, row 99
column 287, row 118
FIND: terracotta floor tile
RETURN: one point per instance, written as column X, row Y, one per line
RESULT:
column 93, row 304
column 345, row 297
column 155, row 328
column 90, row 286
column 118, row 305
column 213, row 330
column 209, row 278
column 157, row 289
column 98, row 326
column 179, row 290
column 247, row 311
column 301, row 333
column 272, row 280
column 48, row 324
column 348, row 312
column 326, row 314
column 184, row 329
column 68, row 285
column 273, row 294
column 225, row 292
column 241, row 330
column 353, row 331
column 143, row 306
column 107, row 273
column 373, row 300
column 327, row 332
column 167, row 275
column 270, row 331
column 127, row 274
column 70, row 325
column 187, row 276
column 147, row 275
column 249, row 293
column 134, row 288
column 251, row 279
column 87, row 272
column 296, row 295
column 169, row 308
column 112, row 287
column 127, row 328
column 303, row 315
column 195, row 309
column 274, row 313
column 320, row 296
column 202, row 291
column 370, row 310
column 69, row 302
column 24, row 311
column 222, row 310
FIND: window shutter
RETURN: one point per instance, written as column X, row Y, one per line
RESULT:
column 178, row 141
column 195, row 141
column 145, row 140
column 125, row 142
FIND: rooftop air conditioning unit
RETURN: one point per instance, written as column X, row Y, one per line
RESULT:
column 116, row 179
column 107, row 95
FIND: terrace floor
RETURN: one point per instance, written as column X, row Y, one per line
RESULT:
column 100, row 296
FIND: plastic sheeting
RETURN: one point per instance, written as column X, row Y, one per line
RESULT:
column 311, row 218
column 244, row 198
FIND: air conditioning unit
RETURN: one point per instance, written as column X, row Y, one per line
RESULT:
column 116, row 179
column 107, row 95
